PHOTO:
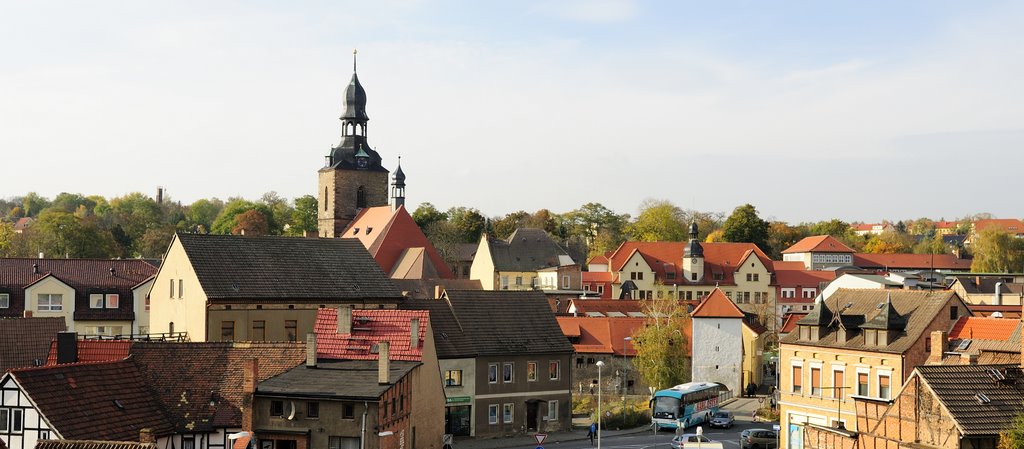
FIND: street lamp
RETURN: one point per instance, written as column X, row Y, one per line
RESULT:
column 600, row 363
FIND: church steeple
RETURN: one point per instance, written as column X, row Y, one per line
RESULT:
column 398, row 186
column 354, row 129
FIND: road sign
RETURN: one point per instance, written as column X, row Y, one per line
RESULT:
column 540, row 438
column 446, row 439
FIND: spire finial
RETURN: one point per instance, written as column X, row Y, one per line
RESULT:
column 399, row 160
column 354, row 53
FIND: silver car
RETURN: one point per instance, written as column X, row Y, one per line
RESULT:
column 723, row 419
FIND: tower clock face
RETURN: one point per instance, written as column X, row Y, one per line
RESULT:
column 361, row 162
column 693, row 260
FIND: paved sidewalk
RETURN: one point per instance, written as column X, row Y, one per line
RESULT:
column 529, row 440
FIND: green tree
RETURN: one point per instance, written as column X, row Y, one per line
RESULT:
column 227, row 220
column 32, row 204
column 1013, row 436
column 931, row 244
column 505, row 226
column 426, row 214
column 280, row 211
column 71, row 202
column 467, row 222
column 601, row 228
column 7, row 236
column 782, row 236
column 135, row 213
column 661, row 344
column 658, row 220
column 744, row 225
column 304, row 216
column 839, row 229
column 155, row 241
column 200, row 215
column 996, row 251
column 889, row 242
column 60, row 234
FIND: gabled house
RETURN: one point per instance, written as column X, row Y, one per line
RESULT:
column 608, row 340
column 27, row 340
column 988, row 290
column 501, row 377
column 977, row 341
column 797, row 288
column 397, row 244
column 529, row 259
column 858, row 343
column 819, row 252
column 266, row 288
column 94, row 296
column 719, row 350
column 863, row 229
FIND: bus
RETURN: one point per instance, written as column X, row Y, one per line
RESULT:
column 685, row 405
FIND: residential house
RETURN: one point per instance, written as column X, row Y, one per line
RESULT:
column 944, row 227
column 988, row 290
column 863, row 229
column 27, row 340
column 979, row 341
column 501, row 376
column 517, row 262
column 23, row 223
column 796, row 287
column 857, row 343
column 93, row 296
column 607, row 340
column 859, row 281
column 397, row 243
column 596, row 283
column 819, row 252
column 1012, row 226
column 930, row 263
column 266, row 288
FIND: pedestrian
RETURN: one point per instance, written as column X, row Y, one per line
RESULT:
column 592, row 432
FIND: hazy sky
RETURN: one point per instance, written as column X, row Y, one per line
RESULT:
column 809, row 110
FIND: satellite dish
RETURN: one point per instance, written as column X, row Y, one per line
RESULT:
column 291, row 415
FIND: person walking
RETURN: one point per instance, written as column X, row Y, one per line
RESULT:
column 592, row 432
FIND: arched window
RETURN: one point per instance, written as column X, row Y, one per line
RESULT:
column 360, row 197
column 325, row 198
column 359, row 129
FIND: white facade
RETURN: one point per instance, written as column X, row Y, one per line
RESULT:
column 718, row 351
column 858, row 281
column 24, row 425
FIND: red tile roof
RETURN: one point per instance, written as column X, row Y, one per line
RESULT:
column 368, row 328
column 818, row 244
column 22, row 223
column 604, row 335
column 789, row 322
column 801, row 277
column 717, row 305
column 80, row 274
column 946, row 224
column 24, row 340
column 95, row 351
column 386, row 234
column 1009, row 225
column 911, row 261
column 600, row 259
column 970, row 327
column 598, row 276
column 719, row 257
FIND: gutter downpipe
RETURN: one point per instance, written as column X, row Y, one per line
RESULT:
column 362, row 430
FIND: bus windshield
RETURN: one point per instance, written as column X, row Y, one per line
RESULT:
column 665, row 407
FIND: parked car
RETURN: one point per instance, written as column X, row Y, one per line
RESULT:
column 759, row 439
column 723, row 419
column 680, row 441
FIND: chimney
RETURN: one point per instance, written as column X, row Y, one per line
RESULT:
column 383, row 365
column 35, row 266
column 27, row 314
column 159, row 195
column 437, row 291
column 938, row 347
column 67, row 347
column 310, row 350
column 414, row 333
column 345, row 320
column 250, row 378
column 971, row 359
column 146, row 436
column 997, row 297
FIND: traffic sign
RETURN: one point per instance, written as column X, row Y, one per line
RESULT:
column 540, row 438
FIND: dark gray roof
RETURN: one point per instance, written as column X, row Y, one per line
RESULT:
column 821, row 315
column 27, row 340
column 343, row 154
column 285, row 268
column 345, row 379
column 472, row 323
column 917, row 307
column 887, row 318
column 426, row 288
column 957, row 387
column 527, row 249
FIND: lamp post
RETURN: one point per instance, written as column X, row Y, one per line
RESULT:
column 600, row 363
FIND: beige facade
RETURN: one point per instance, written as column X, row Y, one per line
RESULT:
column 52, row 298
column 177, row 301
column 753, row 355
column 142, row 306
column 482, row 268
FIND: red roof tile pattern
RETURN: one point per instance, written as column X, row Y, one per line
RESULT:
column 1008, row 225
column 802, row 278
column 95, row 351
column 818, row 244
column 94, row 401
column 370, row 327
column 84, row 275
column 717, row 305
column 789, row 322
column 386, row 234
column 598, row 276
column 603, row 335
column 25, row 340
column 719, row 257
column 942, row 224
column 970, row 327
column 911, row 262
column 86, row 444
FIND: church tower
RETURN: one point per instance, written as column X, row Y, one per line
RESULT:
column 398, row 187
column 693, row 258
column 353, row 177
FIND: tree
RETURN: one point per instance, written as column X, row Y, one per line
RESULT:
column 601, row 228
column 996, row 251
column 931, row 244
column 468, row 223
column 744, row 225
column 32, row 204
column 7, row 236
column 280, row 211
column 155, row 241
column 227, row 220
column 1013, row 436
column 251, row 222
column 61, row 234
column 426, row 214
column 200, row 215
column 782, row 236
column 135, row 213
column 71, row 202
column 839, row 229
column 661, row 344
column 505, row 226
column 304, row 216
column 659, row 220
column 889, row 242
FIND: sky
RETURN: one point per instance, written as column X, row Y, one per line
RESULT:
column 858, row 110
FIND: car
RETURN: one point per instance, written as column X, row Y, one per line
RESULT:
column 723, row 419
column 759, row 439
column 681, row 440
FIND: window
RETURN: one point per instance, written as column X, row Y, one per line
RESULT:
column 797, row 379
column 259, row 331
column 172, row 288
column 181, row 288
column 862, row 384
column 453, row 378
column 531, row 372
column 838, row 381
column 504, row 282
column 789, row 293
column 48, row 302
column 492, row 373
column 276, row 408
column 96, row 301
column 103, row 301
column 640, row 275
column 586, row 287
column 552, row 410
column 507, row 372
column 348, row 411
column 600, row 289
column 147, row 303
column 335, row 442
column 554, row 370
column 565, row 281
column 188, row 443
column 5, row 419
column 816, row 381
column 492, row 414
column 5, row 300
column 953, row 312
column 312, row 409
column 809, row 293
column 227, row 331
column 749, row 277
column 757, row 277
column 506, row 413
column 883, row 386
column 693, row 276
column 291, row 329
column 717, row 276
column 519, row 280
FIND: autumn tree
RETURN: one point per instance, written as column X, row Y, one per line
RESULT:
column 662, row 358
column 61, row 234
column 781, row 236
column 744, row 225
column 839, row 229
column 251, row 222
column 505, row 226
column 426, row 214
column 227, row 221
column 155, row 241
column 32, row 204
column 1013, row 436
column 889, row 242
column 658, row 220
column 996, row 251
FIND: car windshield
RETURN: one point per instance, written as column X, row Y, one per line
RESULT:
column 722, row 415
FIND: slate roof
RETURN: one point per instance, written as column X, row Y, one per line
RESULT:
column 26, row 340
column 344, row 379
column 285, row 268
column 87, row 444
column 818, row 244
column 717, row 305
column 957, row 387
column 370, row 327
column 94, row 401
column 425, row 288
column 527, row 249
column 186, row 376
column 918, row 307
column 911, row 262
column 389, row 235
column 987, row 285
column 483, row 322
column 84, row 275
